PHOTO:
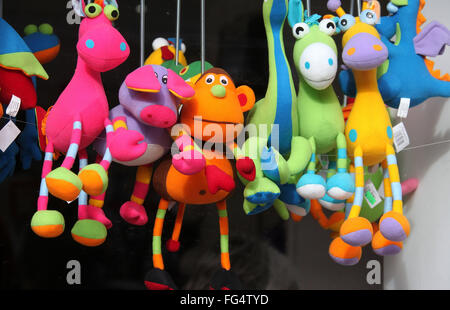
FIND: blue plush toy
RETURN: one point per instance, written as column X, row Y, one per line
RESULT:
column 408, row 73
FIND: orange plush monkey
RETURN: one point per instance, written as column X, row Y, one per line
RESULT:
column 201, row 175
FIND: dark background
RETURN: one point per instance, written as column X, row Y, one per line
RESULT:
column 266, row 252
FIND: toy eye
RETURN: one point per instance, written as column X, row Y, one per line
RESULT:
column 111, row 12
column 156, row 74
column 224, row 80
column 210, row 79
column 327, row 26
column 184, row 70
column 158, row 43
column 300, row 30
column 92, row 10
column 164, row 79
column 368, row 17
column 346, row 21
column 183, row 48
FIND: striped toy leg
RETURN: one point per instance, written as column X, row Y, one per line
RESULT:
column 311, row 185
column 62, row 182
column 393, row 224
column 87, row 231
column 92, row 210
column 224, row 239
column 46, row 223
column 94, row 177
column 133, row 211
column 173, row 245
column 341, row 185
column 356, row 230
column 157, row 232
column 380, row 244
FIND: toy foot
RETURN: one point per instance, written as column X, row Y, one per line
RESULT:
column 300, row 210
column 332, row 204
column 94, row 213
column 172, row 245
column 89, row 232
column 159, row 280
column 394, row 226
column 343, row 253
column 63, row 184
column 259, row 195
column 356, row 231
column 47, row 223
column 94, row 179
column 311, row 186
column 383, row 246
column 133, row 213
column 340, row 186
column 225, row 280
column 246, row 168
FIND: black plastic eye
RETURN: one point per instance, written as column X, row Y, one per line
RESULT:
column 92, row 9
column 344, row 22
column 156, row 74
column 331, row 25
column 164, row 79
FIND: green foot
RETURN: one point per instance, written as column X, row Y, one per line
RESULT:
column 94, row 178
column 63, row 184
column 47, row 223
column 89, row 232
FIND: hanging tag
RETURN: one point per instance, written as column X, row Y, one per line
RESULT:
column 403, row 108
column 401, row 139
column 14, row 106
column 324, row 161
column 381, row 190
column 8, row 134
column 371, row 194
column 373, row 169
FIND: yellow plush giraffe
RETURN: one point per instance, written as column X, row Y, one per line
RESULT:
column 369, row 142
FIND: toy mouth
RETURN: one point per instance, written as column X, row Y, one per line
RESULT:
column 214, row 122
column 319, row 81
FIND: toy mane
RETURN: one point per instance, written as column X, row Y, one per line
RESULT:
column 421, row 19
column 312, row 20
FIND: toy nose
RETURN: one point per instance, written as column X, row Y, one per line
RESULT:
column 166, row 53
column 218, row 91
column 364, row 52
column 158, row 116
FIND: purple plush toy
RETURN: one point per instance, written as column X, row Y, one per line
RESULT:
column 149, row 100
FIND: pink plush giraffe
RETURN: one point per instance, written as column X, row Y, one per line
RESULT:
column 76, row 120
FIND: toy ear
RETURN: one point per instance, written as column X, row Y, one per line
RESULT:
column 178, row 87
column 295, row 12
column 78, row 6
column 246, row 97
column 143, row 79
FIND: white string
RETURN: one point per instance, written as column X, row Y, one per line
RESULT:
column 177, row 44
column 142, row 32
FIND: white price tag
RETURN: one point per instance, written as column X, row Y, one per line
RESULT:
column 14, row 106
column 381, row 190
column 403, row 108
column 401, row 138
column 8, row 134
column 371, row 194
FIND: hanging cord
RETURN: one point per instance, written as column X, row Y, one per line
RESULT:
column 177, row 44
column 203, row 35
column 308, row 7
column 142, row 32
column 358, row 3
column 352, row 10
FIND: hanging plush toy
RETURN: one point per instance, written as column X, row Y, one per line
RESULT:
column 164, row 54
column 18, row 66
column 268, row 177
column 201, row 176
column 45, row 45
column 320, row 114
column 407, row 54
column 78, row 117
column 369, row 141
column 149, row 100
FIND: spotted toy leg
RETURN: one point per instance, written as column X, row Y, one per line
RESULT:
column 157, row 278
column 311, row 185
column 46, row 223
column 173, row 245
column 356, row 230
column 87, row 231
column 62, row 182
column 394, row 225
column 224, row 279
column 341, row 186
column 133, row 211
column 327, row 201
column 380, row 244
column 94, row 177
